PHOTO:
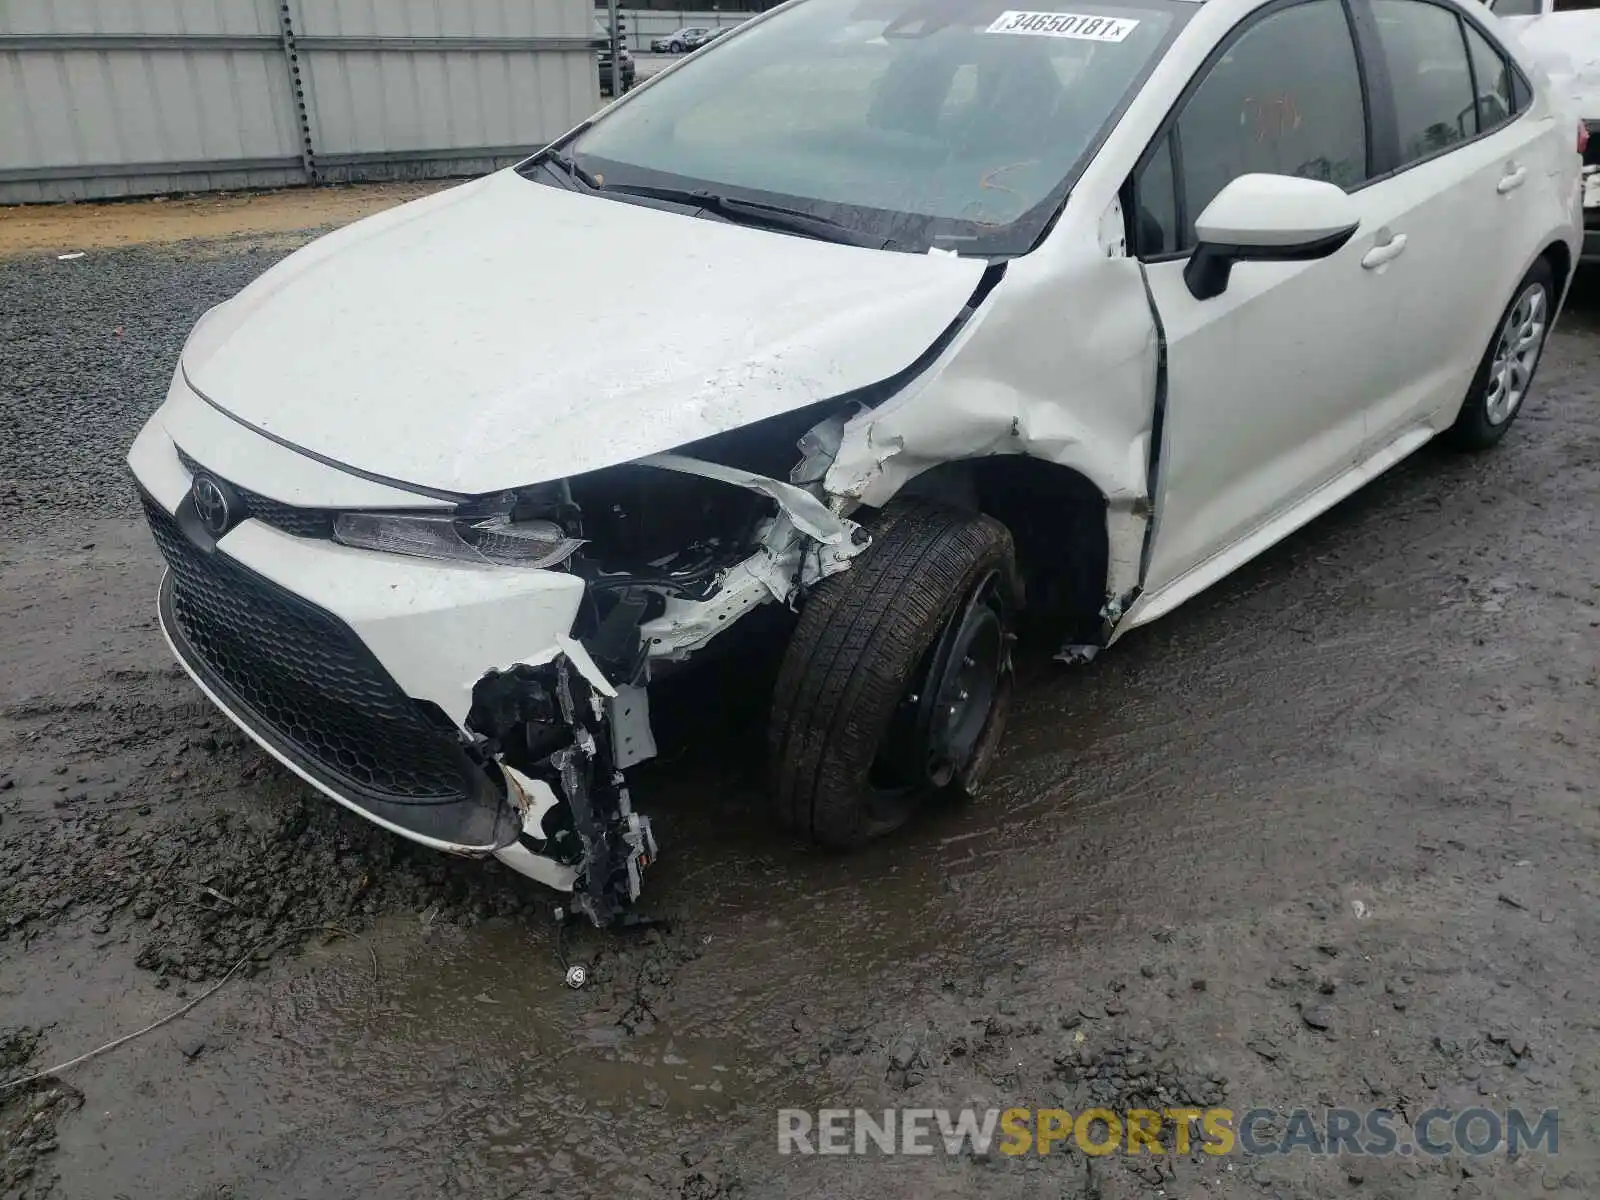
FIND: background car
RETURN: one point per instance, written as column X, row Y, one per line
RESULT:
column 1564, row 36
column 689, row 38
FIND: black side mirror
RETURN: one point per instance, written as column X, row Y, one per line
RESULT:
column 1211, row 265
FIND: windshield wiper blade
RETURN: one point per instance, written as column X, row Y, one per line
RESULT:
column 564, row 163
column 796, row 221
column 752, row 212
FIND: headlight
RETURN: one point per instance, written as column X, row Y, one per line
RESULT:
column 495, row 539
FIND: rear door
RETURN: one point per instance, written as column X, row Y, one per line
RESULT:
column 1467, row 186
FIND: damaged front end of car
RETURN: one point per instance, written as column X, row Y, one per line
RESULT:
column 550, row 730
column 468, row 661
column 673, row 550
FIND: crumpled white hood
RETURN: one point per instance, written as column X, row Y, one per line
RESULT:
column 505, row 332
column 1567, row 46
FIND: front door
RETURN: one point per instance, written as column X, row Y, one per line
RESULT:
column 1268, row 384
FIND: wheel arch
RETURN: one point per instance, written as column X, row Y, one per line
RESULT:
column 1060, row 523
column 1559, row 256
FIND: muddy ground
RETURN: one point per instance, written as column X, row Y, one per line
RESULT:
column 251, row 216
column 1325, row 837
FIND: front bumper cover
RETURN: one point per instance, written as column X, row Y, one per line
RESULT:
column 448, row 702
column 380, row 758
column 309, row 692
column 309, row 654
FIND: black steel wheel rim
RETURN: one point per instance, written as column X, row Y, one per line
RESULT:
column 940, row 722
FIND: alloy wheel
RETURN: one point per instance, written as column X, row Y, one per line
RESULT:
column 1517, row 353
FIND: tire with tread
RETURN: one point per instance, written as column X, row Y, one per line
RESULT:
column 1473, row 430
column 856, row 650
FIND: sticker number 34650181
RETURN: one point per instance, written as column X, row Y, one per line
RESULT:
column 1063, row 25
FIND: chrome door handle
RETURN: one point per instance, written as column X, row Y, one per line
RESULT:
column 1388, row 252
column 1512, row 180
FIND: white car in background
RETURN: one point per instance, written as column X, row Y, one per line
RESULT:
column 927, row 316
column 1563, row 36
column 690, row 38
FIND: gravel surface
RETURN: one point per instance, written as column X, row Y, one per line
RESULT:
column 87, row 349
column 1325, row 837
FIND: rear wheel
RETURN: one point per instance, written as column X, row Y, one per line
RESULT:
column 897, row 680
column 1506, row 372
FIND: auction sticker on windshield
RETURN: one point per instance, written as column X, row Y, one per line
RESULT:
column 1063, row 25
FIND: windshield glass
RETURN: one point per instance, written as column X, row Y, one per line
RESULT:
column 957, row 124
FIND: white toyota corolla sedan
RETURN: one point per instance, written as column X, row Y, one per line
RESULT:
column 933, row 309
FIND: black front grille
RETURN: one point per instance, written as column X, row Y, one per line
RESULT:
column 304, row 681
column 1591, row 152
column 292, row 519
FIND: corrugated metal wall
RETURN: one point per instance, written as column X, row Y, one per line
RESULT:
column 130, row 97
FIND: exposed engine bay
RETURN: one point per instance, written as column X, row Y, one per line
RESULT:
column 673, row 550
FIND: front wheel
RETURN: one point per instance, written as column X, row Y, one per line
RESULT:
column 897, row 681
column 675, row 48
column 1506, row 372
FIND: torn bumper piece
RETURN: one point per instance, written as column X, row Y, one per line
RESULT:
column 550, row 729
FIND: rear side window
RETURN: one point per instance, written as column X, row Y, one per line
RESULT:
column 1284, row 98
column 1491, row 79
column 1521, row 92
column 1517, row 8
column 1428, row 69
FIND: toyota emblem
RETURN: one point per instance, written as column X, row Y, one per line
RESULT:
column 213, row 504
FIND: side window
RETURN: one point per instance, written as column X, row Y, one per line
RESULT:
column 1155, row 197
column 1491, row 79
column 1521, row 92
column 1428, row 70
column 1516, row 8
column 1284, row 98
